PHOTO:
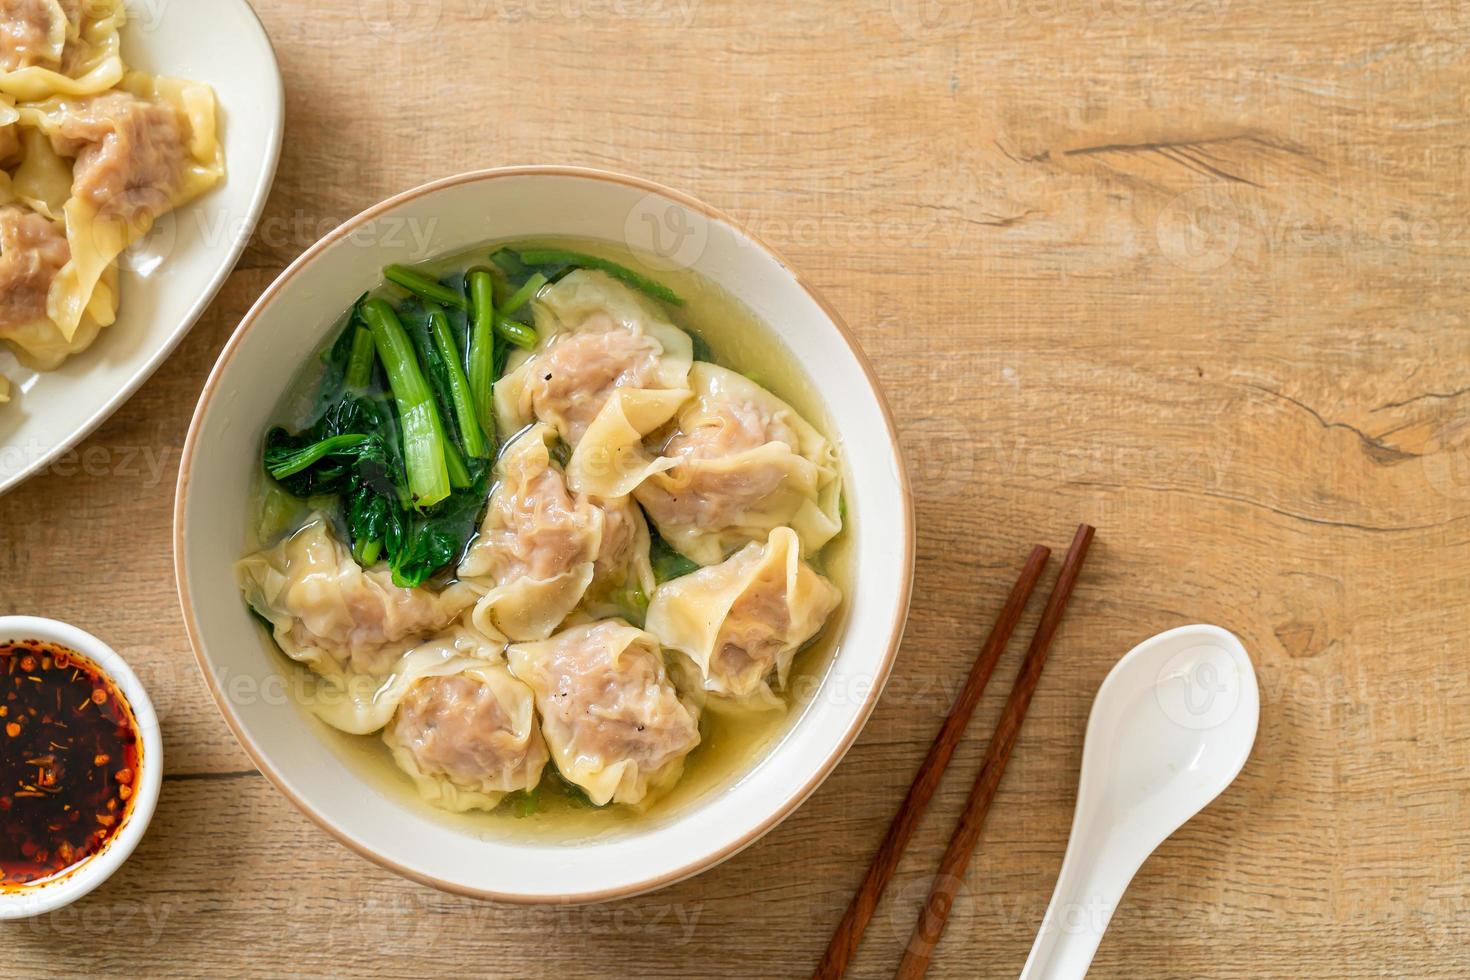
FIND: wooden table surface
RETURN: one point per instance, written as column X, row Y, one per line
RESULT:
column 1191, row 270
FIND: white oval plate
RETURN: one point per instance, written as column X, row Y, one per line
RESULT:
column 170, row 277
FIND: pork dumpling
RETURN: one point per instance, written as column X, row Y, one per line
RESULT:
column 608, row 369
column 745, row 618
column 32, row 32
column 334, row 616
column 59, row 47
column 360, row 704
column 32, row 251
column 538, row 544
column 614, row 723
column 622, row 575
column 140, row 151
column 738, row 463
column 9, row 141
column 468, row 737
column 42, row 177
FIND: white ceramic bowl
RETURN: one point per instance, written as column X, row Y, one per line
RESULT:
column 170, row 277
column 294, row 318
column 63, row 889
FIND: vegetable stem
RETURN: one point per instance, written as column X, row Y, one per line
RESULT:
column 367, row 552
column 298, row 461
column 521, row 296
column 561, row 256
column 482, row 347
column 360, row 360
column 518, row 333
column 424, row 286
column 460, row 394
column 423, row 431
column 459, row 474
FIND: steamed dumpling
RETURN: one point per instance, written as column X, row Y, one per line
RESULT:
column 608, row 369
column 140, row 151
column 622, row 575
column 745, row 618
column 9, row 144
column 615, row 725
column 469, row 737
column 32, row 32
column 538, row 544
column 333, row 615
column 59, row 47
column 43, row 177
column 739, row 463
column 32, row 250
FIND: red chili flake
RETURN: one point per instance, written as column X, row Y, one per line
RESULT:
column 69, row 763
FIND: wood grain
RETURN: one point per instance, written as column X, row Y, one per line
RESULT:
column 950, row 878
column 1193, row 271
column 848, row 935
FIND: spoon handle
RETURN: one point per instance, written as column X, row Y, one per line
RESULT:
column 1095, row 874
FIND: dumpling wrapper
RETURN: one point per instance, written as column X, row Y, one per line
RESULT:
column 143, row 150
column 622, row 575
column 745, row 618
column 60, row 47
column 9, row 132
column 608, row 369
column 43, row 177
column 350, row 625
column 467, row 736
column 739, row 463
column 360, row 704
column 615, row 724
column 537, row 547
column 32, row 251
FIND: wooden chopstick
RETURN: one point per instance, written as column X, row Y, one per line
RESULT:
column 849, row 932
column 957, row 857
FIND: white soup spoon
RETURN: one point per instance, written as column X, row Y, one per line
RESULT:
column 1172, row 726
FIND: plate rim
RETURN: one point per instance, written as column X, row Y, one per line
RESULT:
column 259, row 196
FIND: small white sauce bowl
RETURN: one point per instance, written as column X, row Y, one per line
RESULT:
column 65, row 887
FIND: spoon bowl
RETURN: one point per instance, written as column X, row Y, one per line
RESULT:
column 1172, row 726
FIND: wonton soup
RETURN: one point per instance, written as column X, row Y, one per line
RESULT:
column 550, row 538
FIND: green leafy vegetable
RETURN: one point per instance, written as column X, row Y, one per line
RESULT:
column 516, row 332
column 418, row 416
column 283, row 460
column 481, row 357
column 702, row 350
column 354, row 449
column 667, row 563
column 424, row 286
column 523, row 295
column 562, row 258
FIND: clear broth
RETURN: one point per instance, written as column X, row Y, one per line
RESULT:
column 731, row 744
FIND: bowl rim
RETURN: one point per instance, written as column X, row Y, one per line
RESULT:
column 86, row 875
column 259, row 759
